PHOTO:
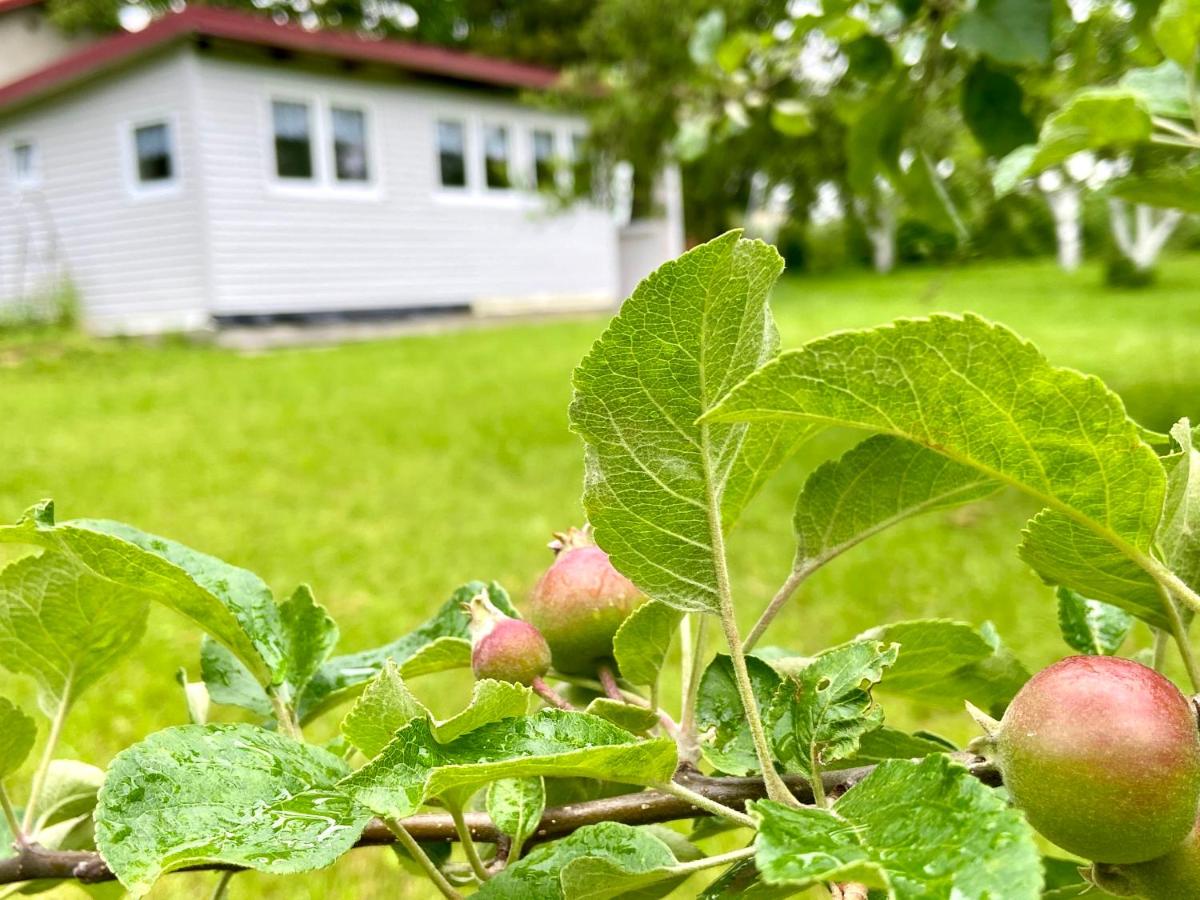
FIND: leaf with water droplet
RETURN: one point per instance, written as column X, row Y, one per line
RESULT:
column 546, row 873
column 415, row 766
column 923, row 830
column 233, row 794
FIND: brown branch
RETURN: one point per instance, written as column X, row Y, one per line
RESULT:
column 641, row 808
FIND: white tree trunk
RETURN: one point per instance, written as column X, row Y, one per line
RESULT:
column 1142, row 240
column 1066, row 205
column 879, row 223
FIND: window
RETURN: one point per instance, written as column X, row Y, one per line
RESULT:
column 24, row 164
column 152, row 146
column 349, row 144
column 293, row 139
column 452, row 154
column 543, row 160
column 495, row 156
column 581, row 166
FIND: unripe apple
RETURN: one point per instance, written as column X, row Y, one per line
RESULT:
column 1103, row 755
column 505, row 648
column 1175, row 876
column 580, row 602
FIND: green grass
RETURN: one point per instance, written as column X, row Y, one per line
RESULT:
column 385, row 474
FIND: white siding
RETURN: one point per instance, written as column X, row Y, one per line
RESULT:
column 136, row 258
column 403, row 241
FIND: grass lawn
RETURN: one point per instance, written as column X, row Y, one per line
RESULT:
column 385, row 474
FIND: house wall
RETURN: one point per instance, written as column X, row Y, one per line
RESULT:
column 135, row 256
column 28, row 41
column 402, row 240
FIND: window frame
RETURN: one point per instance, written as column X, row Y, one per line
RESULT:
column 324, row 181
column 510, row 156
column 469, row 177
column 315, row 141
column 554, row 161
column 161, row 187
column 372, row 157
column 31, row 180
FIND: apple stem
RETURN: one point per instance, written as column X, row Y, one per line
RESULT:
column 551, row 696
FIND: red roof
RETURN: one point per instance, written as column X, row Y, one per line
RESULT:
column 231, row 25
column 8, row 5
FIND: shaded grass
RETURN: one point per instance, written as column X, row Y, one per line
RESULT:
column 385, row 474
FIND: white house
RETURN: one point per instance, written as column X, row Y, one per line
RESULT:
column 217, row 167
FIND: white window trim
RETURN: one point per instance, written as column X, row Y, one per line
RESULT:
column 149, row 190
column 324, row 182
column 511, row 133
column 451, row 190
column 523, row 193
column 556, row 156
column 33, row 180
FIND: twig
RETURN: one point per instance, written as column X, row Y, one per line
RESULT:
column 608, row 681
column 468, row 844
column 43, row 769
column 710, row 806
column 549, row 694
column 223, row 885
column 408, row 842
column 782, row 596
column 639, row 808
column 692, row 652
column 10, row 816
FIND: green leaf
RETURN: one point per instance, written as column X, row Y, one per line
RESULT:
column 743, row 881
column 69, row 792
column 229, row 682
column 231, row 604
column 309, row 634
column 381, row 710
column 1177, row 30
column 876, row 484
column 926, row 197
column 1013, row 169
column 1163, row 89
column 874, row 137
column 17, row 733
column 195, row 697
column 232, row 794
column 720, row 719
column 943, row 662
column 441, row 642
column 1011, row 32
column 546, row 874
column 415, row 767
column 660, row 488
column 1089, row 626
column 1179, row 534
column 490, row 702
column 919, row 830
column 516, row 806
column 992, row 107
column 634, row 719
column 1093, row 119
column 64, row 626
column 978, row 394
column 819, row 715
column 1177, row 187
column 792, row 118
column 891, row 743
column 643, row 641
